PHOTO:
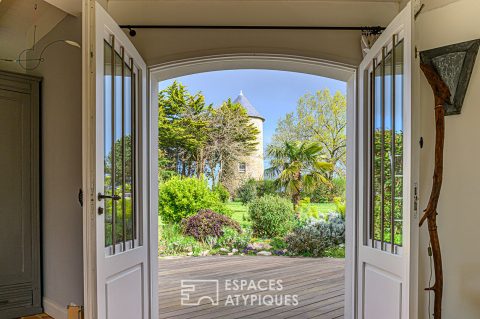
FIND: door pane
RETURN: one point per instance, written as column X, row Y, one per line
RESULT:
column 387, row 151
column 117, row 113
column 108, row 137
column 128, row 152
column 387, row 146
column 398, row 165
column 119, row 142
column 377, row 153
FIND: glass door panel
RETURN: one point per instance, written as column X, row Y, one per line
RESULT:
column 119, row 146
column 386, row 145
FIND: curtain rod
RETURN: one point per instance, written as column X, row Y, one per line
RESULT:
column 132, row 27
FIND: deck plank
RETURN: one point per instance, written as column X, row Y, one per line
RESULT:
column 317, row 282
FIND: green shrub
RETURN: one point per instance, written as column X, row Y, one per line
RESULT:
column 306, row 210
column 179, row 198
column 325, row 193
column 247, row 192
column 321, row 194
column 335, row 252
column 233, row 239
column 271, row 216
column 222, row 192
column 278, row 243
column 173, row 242
column 341, row 206
column 317, row 236
column 266, row 187
column 207, row 224
column 339, row 186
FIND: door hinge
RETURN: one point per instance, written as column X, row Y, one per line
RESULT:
column 415, row 200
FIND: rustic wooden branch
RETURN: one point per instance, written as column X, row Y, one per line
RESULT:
column 442, row 94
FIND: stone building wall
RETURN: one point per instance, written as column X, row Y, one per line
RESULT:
column 254, row 167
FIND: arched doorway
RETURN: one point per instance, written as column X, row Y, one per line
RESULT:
column 298, row 64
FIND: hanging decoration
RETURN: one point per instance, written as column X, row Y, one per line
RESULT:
column 367, row 40
column 29, row 64
column 448, row 70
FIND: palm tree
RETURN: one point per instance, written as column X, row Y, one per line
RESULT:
column 298, row 167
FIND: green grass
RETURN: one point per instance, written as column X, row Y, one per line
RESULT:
column 240, row 211
column 324, row 207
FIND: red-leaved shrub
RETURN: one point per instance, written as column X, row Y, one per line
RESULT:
column 208, row 223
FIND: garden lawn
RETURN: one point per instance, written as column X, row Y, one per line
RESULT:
column 324, row 208
column 240, row 211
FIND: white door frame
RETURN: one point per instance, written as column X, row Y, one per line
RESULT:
column 342, row 72
column 88, row 164
column 407, row 266
column 157, row 73
column 89, row 105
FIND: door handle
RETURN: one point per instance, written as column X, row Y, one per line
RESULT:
column 113, row 197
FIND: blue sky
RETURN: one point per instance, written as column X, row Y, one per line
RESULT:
column 272, row 93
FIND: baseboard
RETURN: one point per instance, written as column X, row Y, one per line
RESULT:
column 54, row 310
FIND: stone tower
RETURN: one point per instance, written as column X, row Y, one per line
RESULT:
column 251, row 166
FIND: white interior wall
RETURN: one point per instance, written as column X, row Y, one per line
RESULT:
column 61, row 115
column 18, row 20
column 459, row 213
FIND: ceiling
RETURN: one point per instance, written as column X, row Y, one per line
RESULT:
column 397, row 1
column 18, row 18
column 253, row 12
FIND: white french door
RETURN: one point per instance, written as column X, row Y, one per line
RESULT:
column 117, row 283
column 386, row 286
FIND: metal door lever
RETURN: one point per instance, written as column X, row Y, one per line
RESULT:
column 102, row 196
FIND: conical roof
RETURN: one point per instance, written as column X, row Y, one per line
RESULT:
column 251, row 111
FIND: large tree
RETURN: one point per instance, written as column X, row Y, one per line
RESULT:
column 231, row 136
column 196, row 139
column 320, row 118
column 182, row 127
column 298, row 167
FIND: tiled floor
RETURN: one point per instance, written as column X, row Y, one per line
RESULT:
column 40, row 316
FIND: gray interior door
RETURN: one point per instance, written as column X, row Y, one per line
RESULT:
column 20, row 292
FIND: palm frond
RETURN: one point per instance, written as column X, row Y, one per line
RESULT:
column 322, row 166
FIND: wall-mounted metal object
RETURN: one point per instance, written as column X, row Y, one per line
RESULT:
column 364, row 29
column 454, row 63
column 80, row 197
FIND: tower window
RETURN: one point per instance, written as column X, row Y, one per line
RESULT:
column 242, row 167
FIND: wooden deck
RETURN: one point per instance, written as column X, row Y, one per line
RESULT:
column 317, row 282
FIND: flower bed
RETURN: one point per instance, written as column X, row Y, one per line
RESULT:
column 208, row 233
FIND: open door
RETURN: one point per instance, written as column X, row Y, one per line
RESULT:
column 387, row 177
column 117, row 268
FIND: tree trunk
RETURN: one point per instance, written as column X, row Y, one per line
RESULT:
column 184, row 168
column 442, row 94
column 200, row 163
column 296, row 196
